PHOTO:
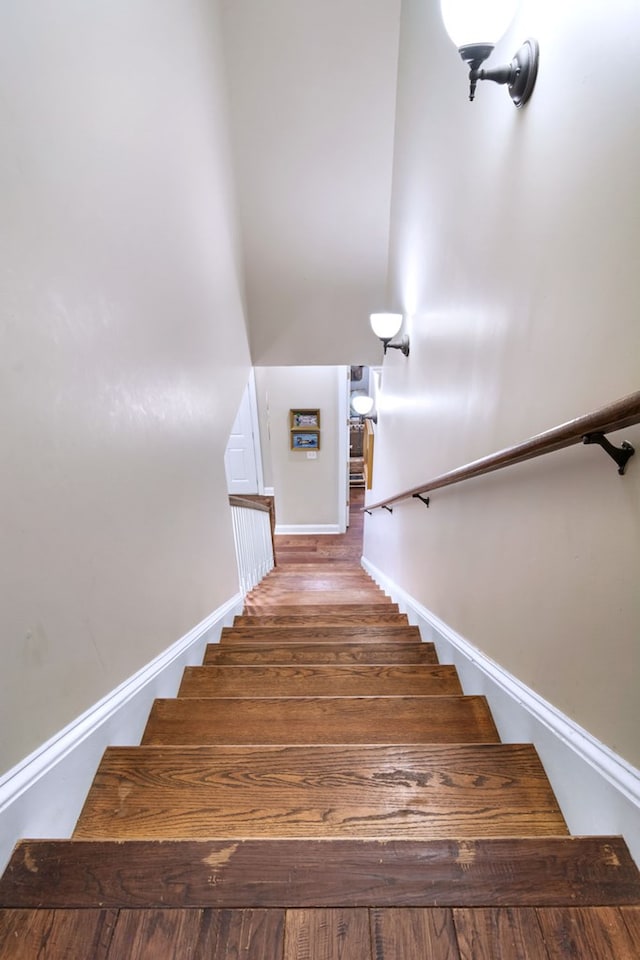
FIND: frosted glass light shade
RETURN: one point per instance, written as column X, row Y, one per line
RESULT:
column 477, row 21
column 385, row 325
column 362, row 404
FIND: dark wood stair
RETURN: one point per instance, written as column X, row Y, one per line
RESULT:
column 498, row 872
column 321, row 788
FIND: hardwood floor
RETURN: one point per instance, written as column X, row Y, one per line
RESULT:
column 321, row 788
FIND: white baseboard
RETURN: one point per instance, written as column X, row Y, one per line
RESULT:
column 598, row 791
column 310, row 529
column 42, row 796
column 268, row 491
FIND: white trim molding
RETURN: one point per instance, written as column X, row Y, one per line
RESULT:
column 42, row 796
column 598, row 791
column 309, row 529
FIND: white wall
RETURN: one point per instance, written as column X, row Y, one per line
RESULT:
column 307, row 491
column 119, row 276
column 312, row 92
column 515, row 238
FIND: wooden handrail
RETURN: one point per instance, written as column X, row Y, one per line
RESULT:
column 249, row 504
column 615, row 416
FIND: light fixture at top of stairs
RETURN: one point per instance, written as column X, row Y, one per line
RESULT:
column 386, row 326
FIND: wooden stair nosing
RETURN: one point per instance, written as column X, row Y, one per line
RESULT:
column 380, row 792
column 320, row 680
column 396, row 652
column 518, row 871
column 316, row 720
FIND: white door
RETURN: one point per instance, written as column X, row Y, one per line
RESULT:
column 240, row 455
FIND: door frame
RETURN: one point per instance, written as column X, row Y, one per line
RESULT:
column 343, row 447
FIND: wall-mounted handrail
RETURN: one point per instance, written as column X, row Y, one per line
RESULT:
column 587, row 429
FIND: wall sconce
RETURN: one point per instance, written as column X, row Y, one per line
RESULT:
column 386, row 326
column 475, row 26
column 362, row 403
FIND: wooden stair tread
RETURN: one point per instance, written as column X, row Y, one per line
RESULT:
column 511, row 871
column 396, row 652
column 333, row 634
column 283, row 720
column 317, row 579
column 344, row 568
column 310, row 598
column 362, row 791
column 311, row 609
column 356, row 680
column 329, row 618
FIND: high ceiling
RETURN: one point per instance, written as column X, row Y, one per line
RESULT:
column 312, row 87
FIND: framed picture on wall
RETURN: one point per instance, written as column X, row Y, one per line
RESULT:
column 304, row 419
column 305, row 440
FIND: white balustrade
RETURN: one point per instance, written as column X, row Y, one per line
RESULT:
column 254, row 548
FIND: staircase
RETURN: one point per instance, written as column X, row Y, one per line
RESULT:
column 321, row 788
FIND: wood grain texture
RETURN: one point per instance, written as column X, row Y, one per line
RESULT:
column 314, row 720
column 410, row 792
column 56, row 934
column 308, row 598
column 331, row 634
column 512, row 871
column 631, row 917
column 333, row 680
column 318, row 577
column 152, row 934
column 507, row 933
column 325, row 934
column 317, row 589
column 589, row 932
column 413, row 934
column 257, row 608
column 198, row 934
column 382, row 653
column 327, row 618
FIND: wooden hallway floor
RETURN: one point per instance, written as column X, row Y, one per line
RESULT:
column 321, row 787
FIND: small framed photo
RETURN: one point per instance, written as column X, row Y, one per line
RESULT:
column 305, row 440
column 304, row 419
